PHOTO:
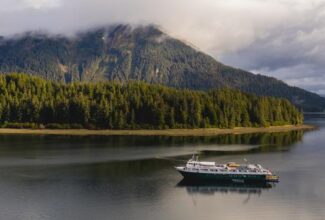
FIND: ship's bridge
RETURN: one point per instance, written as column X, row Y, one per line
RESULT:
column 200, row 164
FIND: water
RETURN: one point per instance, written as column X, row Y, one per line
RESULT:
column 52, row 177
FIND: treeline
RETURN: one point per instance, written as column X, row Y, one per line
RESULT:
column 31, row 101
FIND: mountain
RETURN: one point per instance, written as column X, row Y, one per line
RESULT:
column 123, row 53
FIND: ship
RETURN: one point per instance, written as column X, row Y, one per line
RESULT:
column 196, row 170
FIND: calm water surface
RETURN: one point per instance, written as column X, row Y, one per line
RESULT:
column 52, row 177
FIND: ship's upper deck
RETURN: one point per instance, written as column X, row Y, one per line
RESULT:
column 229, row 167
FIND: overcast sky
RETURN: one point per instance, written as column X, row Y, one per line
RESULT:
column 281, row 38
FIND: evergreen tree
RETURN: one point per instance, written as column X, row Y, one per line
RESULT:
column 103, row 105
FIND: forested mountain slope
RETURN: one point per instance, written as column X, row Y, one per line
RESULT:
column 123, row 53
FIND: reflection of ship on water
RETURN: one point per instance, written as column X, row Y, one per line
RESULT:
column 223, row 187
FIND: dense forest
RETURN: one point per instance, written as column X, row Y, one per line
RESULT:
column 123, row 53
column 29, row 101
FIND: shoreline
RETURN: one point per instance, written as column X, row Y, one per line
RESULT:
column 166, row 132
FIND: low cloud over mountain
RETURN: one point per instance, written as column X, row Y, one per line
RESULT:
column 281, row 38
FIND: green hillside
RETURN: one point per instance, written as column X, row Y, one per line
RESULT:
column 122, row 53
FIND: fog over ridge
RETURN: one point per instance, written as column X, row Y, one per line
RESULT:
column 280, row 38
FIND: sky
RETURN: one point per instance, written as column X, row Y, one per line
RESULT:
column 280, row 38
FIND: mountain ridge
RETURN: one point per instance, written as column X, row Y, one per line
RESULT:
column 144, row 53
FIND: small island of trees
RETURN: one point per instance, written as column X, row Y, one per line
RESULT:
column 32, row 102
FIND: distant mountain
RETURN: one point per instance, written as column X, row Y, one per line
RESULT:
column 123, row 53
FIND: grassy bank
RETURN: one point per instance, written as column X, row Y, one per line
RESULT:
column 167, row 132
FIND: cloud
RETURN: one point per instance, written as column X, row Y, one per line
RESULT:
column 293, row 52
column 39, row 4
column 20, row 5
column 281, row 38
